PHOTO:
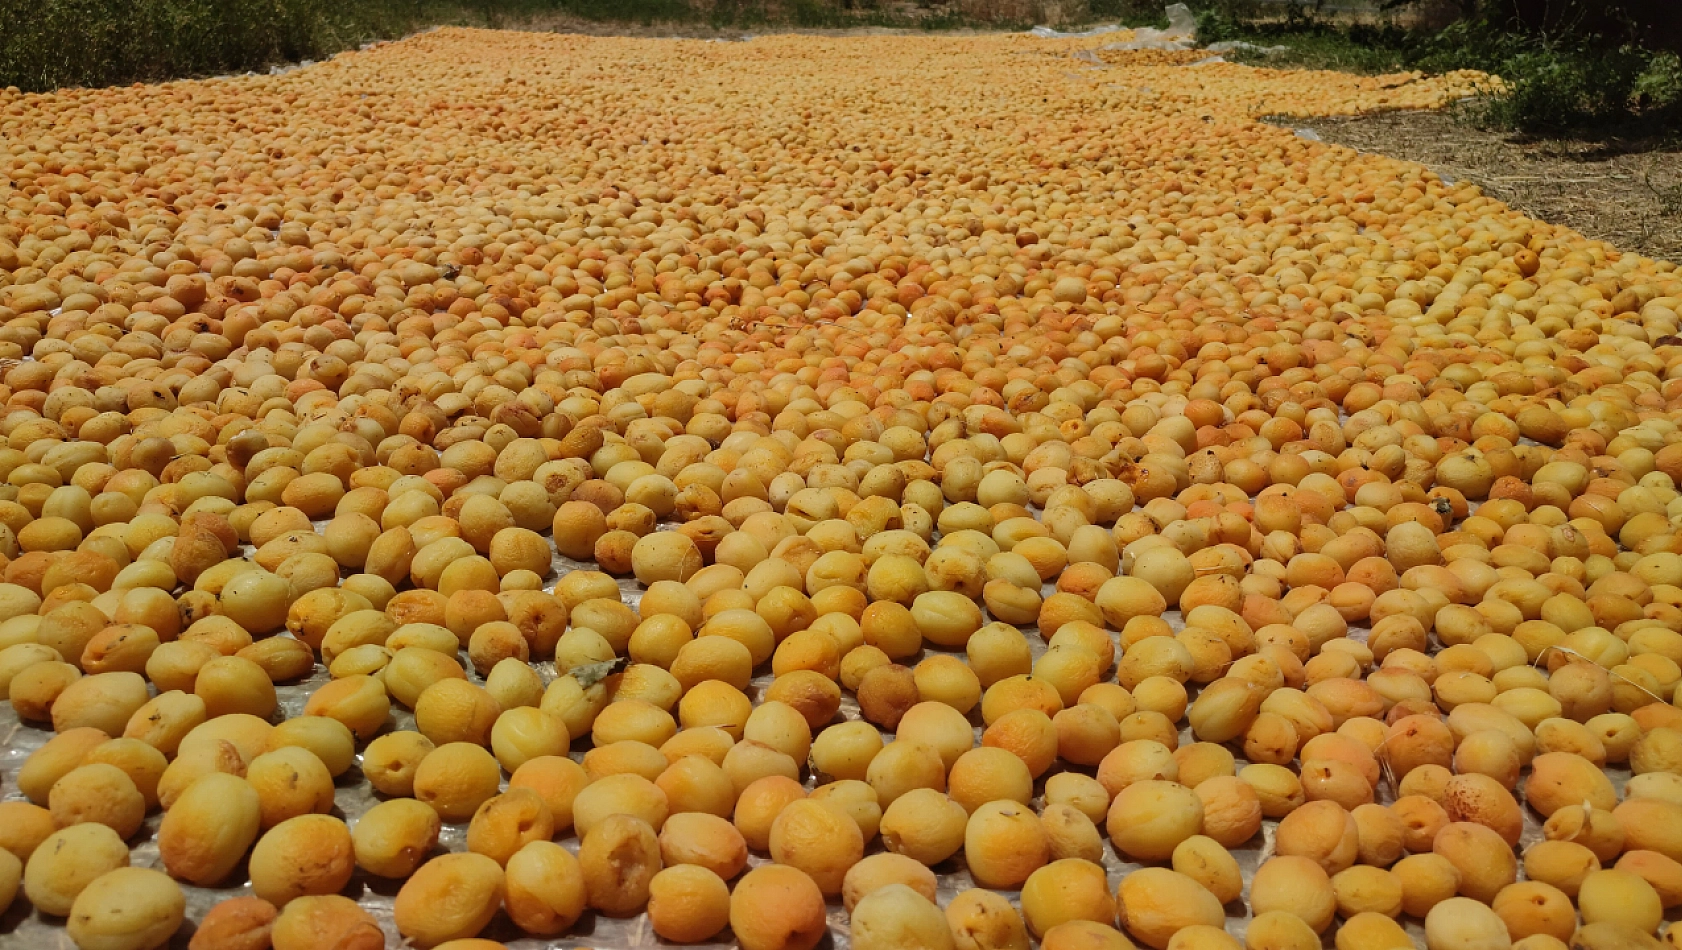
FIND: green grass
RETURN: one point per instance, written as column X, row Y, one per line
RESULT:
column 1129, row 13
column 1315, row 49
column 1310, row 44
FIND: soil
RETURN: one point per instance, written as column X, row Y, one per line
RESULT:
column 1628, row 194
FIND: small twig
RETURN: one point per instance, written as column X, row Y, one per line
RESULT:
column 1384, row 768
column 1612, row 673
column 1562, row 181
column 1670, row 199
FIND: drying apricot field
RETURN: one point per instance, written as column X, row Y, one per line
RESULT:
column 893, row 493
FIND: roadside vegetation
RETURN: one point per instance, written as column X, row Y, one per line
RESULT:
column 1562, row 81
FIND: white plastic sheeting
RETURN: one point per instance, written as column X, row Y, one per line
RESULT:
column 1047, row 33
column 1228, row 46
column 1181, row 33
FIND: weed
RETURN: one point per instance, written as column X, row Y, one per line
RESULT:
column 1660, row 84
column 1669, row 196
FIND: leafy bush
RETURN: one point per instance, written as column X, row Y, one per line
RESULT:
column 1567, row 82
column 1134, row 13
column 1660, row 85
column 52, row 43
column 1563, row 91
column 1570, row 84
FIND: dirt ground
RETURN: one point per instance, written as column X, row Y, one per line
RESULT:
column 1628, row 194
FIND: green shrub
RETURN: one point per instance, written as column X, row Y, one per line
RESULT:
column 52, row 43
column 1566, row 85
column 1569, row 82
column 1554, row 91
column 1134, row 13
column 1660, row 84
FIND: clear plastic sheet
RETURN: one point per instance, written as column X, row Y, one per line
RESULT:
column 21, row 928
column 1229, row 46
column 1181, row 33
column 1047, row 33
